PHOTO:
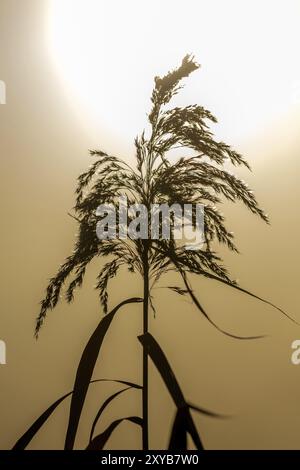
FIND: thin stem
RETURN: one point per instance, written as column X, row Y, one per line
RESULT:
column 145, row 352
column 146, row 246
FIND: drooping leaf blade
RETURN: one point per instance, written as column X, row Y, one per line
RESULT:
column 104, row 406
column 160, row 361
column 200, row 307
column 168, row 376
column 99, row 441
column 178, row 438
column 257, row 297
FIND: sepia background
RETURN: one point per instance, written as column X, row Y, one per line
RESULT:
column 79, row 75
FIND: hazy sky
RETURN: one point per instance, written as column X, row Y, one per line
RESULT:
column 106, row 53
column 79, row 75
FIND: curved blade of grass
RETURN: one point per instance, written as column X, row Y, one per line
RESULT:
column 160, row 361
column 99, row 441
column 192, row 430
column 178, row 439
column 245, row 291
column 85, row 370
column 104, row 406
column 182, row 425
column 199, row 306
column 24, row 440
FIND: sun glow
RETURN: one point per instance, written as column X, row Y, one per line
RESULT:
column 107, row 54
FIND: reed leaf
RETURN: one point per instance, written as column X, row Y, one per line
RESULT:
column 26, row 438
column 105, row 405
column 184, row 416
column 85, row 370
column 99, row 441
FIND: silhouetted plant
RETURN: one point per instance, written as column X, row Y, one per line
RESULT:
column 197, row 179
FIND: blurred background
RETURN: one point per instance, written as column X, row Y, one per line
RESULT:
column 79, row 75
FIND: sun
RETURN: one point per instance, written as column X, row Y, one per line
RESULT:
column 107, row 53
